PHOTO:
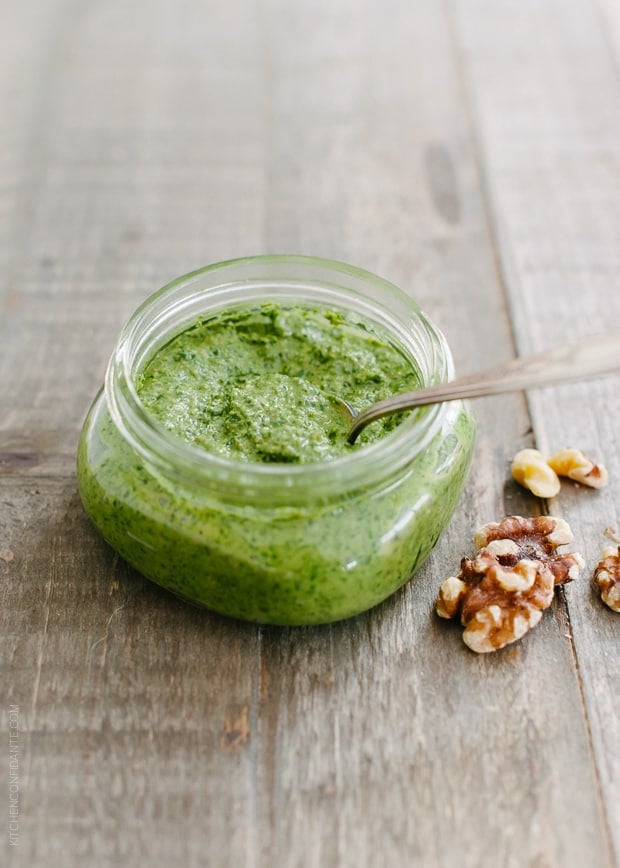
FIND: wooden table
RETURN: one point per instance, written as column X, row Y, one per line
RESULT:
column 469, row 151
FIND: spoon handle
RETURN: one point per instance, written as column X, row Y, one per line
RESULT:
column 588, row 358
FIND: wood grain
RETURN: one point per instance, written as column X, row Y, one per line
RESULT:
column 553, row 175
column 444, row 147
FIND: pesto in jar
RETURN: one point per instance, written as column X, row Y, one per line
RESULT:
column 260, row 383
column 254, row 385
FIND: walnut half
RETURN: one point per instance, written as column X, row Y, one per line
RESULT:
column 607, row 577
column 530, row 470
column 574, row 464
column 502, row 592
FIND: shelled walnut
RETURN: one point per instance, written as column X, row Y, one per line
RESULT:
column 538, row 538
column 530, row 470
column 502, row 592
column 542, row 476
column 607, row 577
column 574, row 464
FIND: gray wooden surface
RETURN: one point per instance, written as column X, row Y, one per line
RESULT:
column 468, row 150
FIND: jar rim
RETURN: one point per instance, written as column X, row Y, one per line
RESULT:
column 191, row 295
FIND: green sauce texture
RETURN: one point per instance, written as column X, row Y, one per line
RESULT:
column 259, row 383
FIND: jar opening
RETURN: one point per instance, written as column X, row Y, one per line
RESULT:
column 284, row 279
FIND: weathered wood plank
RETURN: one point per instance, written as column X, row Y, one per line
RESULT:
column 135, row 710
column 549, row 130
column 402, row 726
column 135, row 154
column 164, row 137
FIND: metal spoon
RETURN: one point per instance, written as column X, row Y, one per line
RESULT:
column 593, row 357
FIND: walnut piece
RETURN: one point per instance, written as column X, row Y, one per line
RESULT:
column 538, row 539
column 612, row 533
column 530, row 470
column 502, row 592
column 574, row 464
column 607, row 577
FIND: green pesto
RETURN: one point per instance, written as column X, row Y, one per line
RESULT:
column 319, row 560
column 259, row 383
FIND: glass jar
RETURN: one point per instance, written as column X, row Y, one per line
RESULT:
column 274, row 543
